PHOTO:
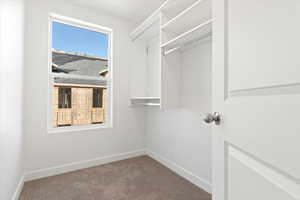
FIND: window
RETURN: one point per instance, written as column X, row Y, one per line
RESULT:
column 97, row 98
column 64, row 97
column 79, row 75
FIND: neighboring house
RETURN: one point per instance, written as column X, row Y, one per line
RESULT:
column 79, row 101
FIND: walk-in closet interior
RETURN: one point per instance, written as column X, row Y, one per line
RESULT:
column 170, row 78
column 149, row 100
column 150, row 141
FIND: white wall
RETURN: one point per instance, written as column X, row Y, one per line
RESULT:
column 179, row 136
column 11, row 83
column 51, row 150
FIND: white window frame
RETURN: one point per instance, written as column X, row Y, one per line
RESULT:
column 93, row 27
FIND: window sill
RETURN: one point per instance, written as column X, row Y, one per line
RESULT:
column 73, row 129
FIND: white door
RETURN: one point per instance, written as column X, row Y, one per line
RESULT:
column 256, row 89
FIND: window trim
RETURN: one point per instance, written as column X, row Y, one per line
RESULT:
column 93, row 27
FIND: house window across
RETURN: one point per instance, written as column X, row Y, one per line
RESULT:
column 64, row 97
column 97, row 98
column 79, row 75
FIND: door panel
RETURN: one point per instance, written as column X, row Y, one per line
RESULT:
column 249, row 180
column 256, row 78
column 261, row 125
column 263, row 43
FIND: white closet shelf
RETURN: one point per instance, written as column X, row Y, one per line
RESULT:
column 173, row 7
column 196, row 14
column 148, row 29
column 145, row 98
column 146, row 104
column 145, row 101
column 197, row 33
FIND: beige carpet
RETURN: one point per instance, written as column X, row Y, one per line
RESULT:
column 139, row 178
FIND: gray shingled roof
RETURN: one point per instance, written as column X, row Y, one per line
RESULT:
column 80, row 81
column 68, row 63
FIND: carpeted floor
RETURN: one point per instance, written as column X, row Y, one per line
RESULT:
column 139, row 178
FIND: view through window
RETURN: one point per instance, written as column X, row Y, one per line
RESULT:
column 80, row 75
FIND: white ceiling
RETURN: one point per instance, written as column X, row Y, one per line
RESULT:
column 133, row 10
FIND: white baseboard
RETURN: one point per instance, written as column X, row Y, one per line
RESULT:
column 203, row 184
column 42, row 173
column 18, row 191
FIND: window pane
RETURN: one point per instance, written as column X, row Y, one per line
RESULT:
column 77, row 102
column 78, row 51
column 81, row 99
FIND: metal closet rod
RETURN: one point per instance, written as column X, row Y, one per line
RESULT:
column 186, row 45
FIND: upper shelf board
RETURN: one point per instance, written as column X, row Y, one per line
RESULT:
column 147, row 30
column 173, row 7
column 144, row 29
column 197, row 33
column 192, row 16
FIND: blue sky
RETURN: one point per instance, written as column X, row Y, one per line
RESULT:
column 78, row 40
